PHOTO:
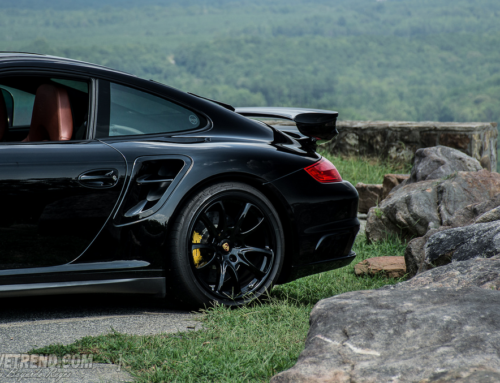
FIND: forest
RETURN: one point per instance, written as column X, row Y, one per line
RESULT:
column 412, row 60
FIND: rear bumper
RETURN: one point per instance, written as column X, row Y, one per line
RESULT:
column 323, row 225
column 325, row 251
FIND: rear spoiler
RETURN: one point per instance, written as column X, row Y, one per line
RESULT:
column 315, row 123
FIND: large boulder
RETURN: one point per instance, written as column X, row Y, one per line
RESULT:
column 476, row 213
column 399, row 335
column 489, row 216
column 466, row 188
column 479, row 272
column 414, row 209
column 414, row 253
column 483, row 212
column 408, row 212
column 441, row 161
column 480, row 240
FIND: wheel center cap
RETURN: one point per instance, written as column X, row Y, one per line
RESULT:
column 226, row 246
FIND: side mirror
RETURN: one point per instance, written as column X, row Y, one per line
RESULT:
column 9, row 105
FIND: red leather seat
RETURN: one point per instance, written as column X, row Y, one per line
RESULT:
column 51, row 119
column 4, row 118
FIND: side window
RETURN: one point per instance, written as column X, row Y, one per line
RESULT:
column 44, row 108
column 125, row 111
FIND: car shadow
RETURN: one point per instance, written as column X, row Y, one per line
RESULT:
column 52, row 307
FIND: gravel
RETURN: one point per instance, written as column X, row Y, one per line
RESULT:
column 34, row 322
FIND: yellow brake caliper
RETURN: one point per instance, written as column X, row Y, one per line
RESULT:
column 197, row 258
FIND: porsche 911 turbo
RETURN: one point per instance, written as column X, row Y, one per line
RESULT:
column 110, row 183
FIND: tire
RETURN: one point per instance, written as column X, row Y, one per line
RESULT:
column 226, row 246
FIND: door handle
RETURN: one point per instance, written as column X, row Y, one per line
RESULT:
column 99, row 178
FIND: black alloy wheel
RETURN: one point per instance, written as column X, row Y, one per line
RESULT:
column 227, row 246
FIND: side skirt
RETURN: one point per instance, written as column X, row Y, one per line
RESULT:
column 152, row 286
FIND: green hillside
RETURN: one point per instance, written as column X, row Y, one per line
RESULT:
column 392, row 60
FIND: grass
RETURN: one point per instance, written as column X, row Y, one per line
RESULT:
column 366, row 170
column 254, row 342
column 249, row 344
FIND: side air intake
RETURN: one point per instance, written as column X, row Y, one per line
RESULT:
column 151, row 183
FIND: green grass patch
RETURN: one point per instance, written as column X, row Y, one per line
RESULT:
column 366, row 170
column 252, row 343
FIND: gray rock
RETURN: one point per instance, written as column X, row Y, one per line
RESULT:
column 440, row 161
column 489, row 216
column 476, row 213
column 407, row 213
column 415, row 335
column 414, row 209
column 465, row 375
column 415, row 254
column 480, row 272
column 486, row 162
column 466, row 188
column 471, row 213
column 480, row 240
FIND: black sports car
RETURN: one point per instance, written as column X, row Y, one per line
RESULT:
column 114, row 184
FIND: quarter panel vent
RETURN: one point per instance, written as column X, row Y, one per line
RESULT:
column 153, row 180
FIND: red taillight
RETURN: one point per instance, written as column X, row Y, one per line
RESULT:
column 324, row 171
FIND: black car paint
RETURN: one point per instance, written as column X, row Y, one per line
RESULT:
column 131, row 255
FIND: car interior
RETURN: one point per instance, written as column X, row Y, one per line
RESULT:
column 37, row 109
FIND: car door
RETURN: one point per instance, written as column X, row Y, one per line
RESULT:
column 55, row 196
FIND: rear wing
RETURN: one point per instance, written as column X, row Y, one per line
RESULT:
column 315, row 123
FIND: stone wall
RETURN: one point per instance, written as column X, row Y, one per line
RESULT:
column 399, row 140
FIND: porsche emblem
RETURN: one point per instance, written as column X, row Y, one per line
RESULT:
column 225, row 246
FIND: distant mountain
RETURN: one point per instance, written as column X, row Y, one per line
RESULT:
column 393, row 60
column 86, row 4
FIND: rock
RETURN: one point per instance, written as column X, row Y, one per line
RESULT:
column 369, row 195
column 416, row 208
column 471, row 213
column 480, row 240
column 391, row 181
column 489, row 216
column 480, row 272
column 466, row 188
column 479, row 374
column 407, row 213
column 414, row 335
column 476, row 213
column 486, row 162
column 440, row 161
column 415, row 254
column 392, row 266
